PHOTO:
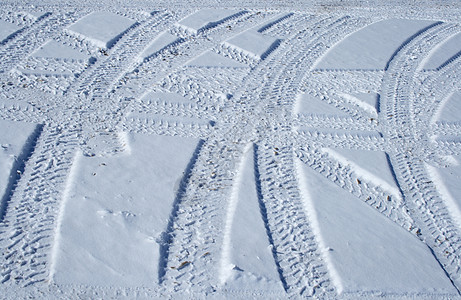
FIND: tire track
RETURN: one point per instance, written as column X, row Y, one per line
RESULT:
column 424, row 204
column 29, row 222
column 41, row 31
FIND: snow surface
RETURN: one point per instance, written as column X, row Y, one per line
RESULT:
column 367, row 252
column 441, row 55
column 253, row 43
column 206, row 18
column 164, row 40
column 450, row 109
column 373, row 46
column 101, row 28
column 231, row 150
column 7, row 29
column 129, row 197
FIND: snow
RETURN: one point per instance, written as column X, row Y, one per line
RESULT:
column 442, row 54
column 14, row 148
column 368, row 253
column 53, row 49
column 366, row 101
column 101, row 28
column 450, row 109
column 253, row 43
column 368, row 165
column 210, row 59
column 447, row 180
column 206, row 18
column 164, row 40
column 371, row 47
column 247, row 258
column 309, row 105
column 128, row 196
column 7, row 29
column 231, row 150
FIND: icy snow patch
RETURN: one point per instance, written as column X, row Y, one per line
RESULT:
column 101, row 28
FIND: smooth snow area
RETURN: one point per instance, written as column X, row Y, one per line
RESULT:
column 367, row 252
column 247, row 260
column 206, row 18
column 210, row 59
column 56, row 50
column 101, row 28
column 7, row 29
column 371, row 47
column 366, row 101
column 162, row 41
column 443, row 53
column 310, row 105
column 253, row 43
column 450, row 109
column 448, row 183
column 13, row 147
column 372, row 166
column 115, row 212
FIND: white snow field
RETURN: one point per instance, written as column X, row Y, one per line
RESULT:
column 230, row 149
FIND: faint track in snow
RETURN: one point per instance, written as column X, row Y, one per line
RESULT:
column 403, row 128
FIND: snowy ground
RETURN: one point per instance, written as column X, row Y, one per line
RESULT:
column 240, row 150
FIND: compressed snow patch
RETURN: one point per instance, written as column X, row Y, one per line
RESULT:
column 101, row 28
column 373, row 46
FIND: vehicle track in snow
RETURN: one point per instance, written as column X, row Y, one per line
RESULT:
column 424, row 204
column 227, row 110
